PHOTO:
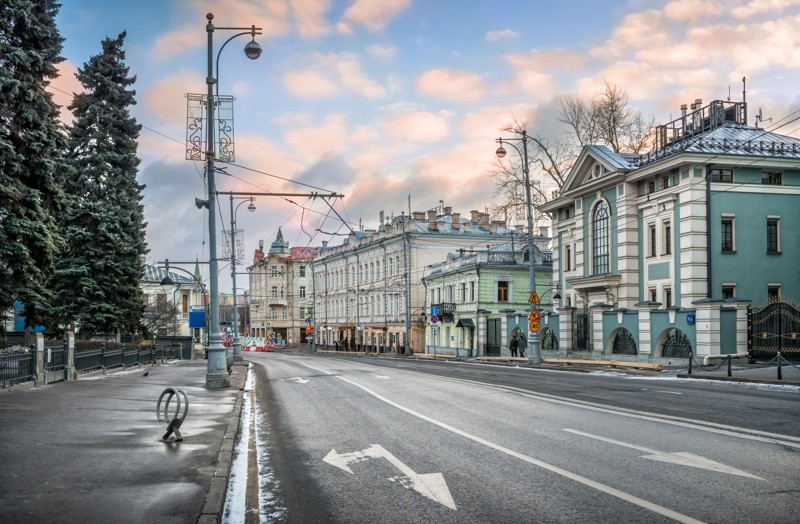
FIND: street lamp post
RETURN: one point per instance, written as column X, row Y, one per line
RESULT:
column 237, row 347
column 534, row 357
column 217, row 372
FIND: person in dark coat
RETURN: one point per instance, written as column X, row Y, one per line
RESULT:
column 513, row 345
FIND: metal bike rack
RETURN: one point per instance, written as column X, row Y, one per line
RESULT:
column 181, row 409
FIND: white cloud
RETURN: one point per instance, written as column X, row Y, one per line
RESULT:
column 504, row 34
column 383, row 53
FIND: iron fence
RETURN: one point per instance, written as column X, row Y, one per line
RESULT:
column 105, row 357
column 16, row 366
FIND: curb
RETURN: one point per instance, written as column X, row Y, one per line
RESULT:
column 214, row 503
column 739, row 379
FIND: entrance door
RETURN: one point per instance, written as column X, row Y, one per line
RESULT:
column 493, row 338
column 582, row 332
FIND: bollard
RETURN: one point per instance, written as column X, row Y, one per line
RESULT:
column 780, row 375
column 690, row 361
column 181, row 410
column 729, row 365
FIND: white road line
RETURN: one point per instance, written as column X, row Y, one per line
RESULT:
column 655, row 508
column 679, row 457
column 662, row 391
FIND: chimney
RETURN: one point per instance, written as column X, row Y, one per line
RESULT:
column 381, row 219
column 475, row 215
column 497, row 225
column 456, row 217
column 432, row 221
column 467, row 226
column 484, row 218
column 448, row 210
column 419, row 215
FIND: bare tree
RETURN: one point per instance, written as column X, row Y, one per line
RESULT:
column 608, row 119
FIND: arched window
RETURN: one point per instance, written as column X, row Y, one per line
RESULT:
column 600, row 262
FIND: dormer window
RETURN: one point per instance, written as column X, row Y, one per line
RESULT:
column 597, row 171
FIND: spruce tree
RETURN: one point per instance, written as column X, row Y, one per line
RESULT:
column 31, row 143
column 98, row 279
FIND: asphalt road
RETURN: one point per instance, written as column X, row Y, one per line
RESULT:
column 396, row 440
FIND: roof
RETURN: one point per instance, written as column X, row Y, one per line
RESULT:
column 617, row 160
column 730, row 139
column 153, row 274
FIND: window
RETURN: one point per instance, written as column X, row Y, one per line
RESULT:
column 726, row 233
column 283, row 313
column 274, row 291
column 161, row 301
column 773, row 236
column 274, row 314
column 653, row 295
column 302, row 271
column 667, row 232
column 463, row 292
column 567, row 258
column 651, row 185
column 472, row 291
column 389, row 270
column 773, row 179
column 433, row 296
column 773, row 291
column 667, row 297
column 281, row 291
column 302, row 291
column 502, row 291
column 600, row 263
column 721, row 175
column 728, row 290
column 651, row 234
column 274, row 271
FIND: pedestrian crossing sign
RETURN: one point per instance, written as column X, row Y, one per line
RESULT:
column 534, row 298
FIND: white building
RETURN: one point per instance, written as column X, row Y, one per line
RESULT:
column 368, row 292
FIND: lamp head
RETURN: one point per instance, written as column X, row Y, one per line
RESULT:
column 252, row 50
column 501, row 151
column 167, row 281
column 251, row 207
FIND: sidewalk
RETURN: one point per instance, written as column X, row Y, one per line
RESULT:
column 90, row 450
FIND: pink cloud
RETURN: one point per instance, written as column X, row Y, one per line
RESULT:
column 503, row 34
column 418, row 127
column 375, row 16
column 759, row 7
column 309, row 84
column 64, row 87
column 449, row 84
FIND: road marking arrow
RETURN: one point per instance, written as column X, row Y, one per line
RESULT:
column 683, row 458
column 299, row 380
column 430, row 485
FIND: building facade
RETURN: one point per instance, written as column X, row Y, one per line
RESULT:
column 480, row 299
column 368, row 291
column 167, row 309
column 659, row 255
column 280, row 292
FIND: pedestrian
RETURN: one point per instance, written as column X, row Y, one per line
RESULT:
column 522, row 344
column 513, row 345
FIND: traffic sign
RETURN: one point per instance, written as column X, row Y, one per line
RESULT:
column 534, row 315
column 434, row 319
column 534, row 325
column 308, row 320
column 534, row 298
column 268, row 323
column 434, row 311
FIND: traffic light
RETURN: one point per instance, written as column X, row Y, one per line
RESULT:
column 308, row 329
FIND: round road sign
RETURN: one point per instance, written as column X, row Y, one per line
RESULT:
column 434, row 319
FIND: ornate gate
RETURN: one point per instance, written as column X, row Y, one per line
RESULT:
column 677, row 345
column 549, row 340
column 774, row 327
column 624, row 344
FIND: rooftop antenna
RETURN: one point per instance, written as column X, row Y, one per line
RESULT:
column 729, row 93
column 760, row 117
column 744, row 98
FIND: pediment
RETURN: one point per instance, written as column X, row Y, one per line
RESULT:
column 593, row 164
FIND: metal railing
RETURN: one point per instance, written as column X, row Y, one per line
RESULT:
column 105, row 357
column 16, row 366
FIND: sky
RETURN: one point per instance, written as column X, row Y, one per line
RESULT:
column 386, row 101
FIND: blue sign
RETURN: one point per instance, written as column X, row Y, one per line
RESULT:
column 197, row 319
column 690, row 319
column 434, row 319
column 434, row 311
